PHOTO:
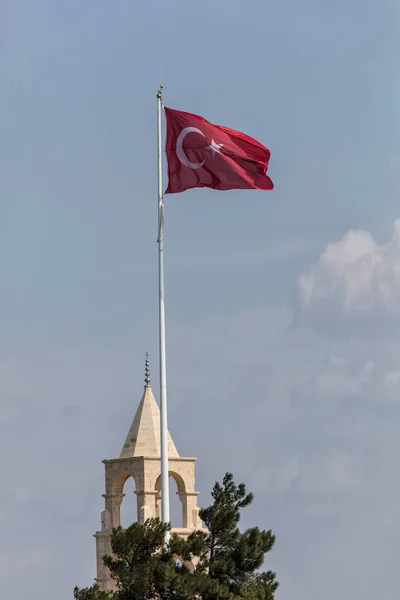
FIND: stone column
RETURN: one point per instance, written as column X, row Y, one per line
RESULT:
column 103, row 547
column 191, row 519
column 146, row 505
column 113, row 505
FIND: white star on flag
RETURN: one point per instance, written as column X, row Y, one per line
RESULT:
column 214, row 147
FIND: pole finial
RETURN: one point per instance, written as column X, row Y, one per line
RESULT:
column 147, row 378
column 159, row 93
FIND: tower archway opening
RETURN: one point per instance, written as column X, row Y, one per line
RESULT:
column 176, row 500
column 175, row 505
column 128, row 508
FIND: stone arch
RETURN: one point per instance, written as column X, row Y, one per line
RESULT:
column 119, row 481
column 114, row 497
column 129, row 506
column 182, row 495
column 178, row 480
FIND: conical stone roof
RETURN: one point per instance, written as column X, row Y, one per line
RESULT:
column 143, row 438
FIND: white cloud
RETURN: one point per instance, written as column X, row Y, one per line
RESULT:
column 339, row 381
column 354, row 276
column 392, row 379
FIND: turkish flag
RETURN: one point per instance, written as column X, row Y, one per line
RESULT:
column 201, row 154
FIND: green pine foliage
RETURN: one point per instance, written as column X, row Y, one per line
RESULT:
column 223, row 564
column 92, row 593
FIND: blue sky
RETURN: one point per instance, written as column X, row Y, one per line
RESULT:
column 273, row 335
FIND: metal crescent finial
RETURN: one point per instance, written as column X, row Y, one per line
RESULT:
column 147, row 378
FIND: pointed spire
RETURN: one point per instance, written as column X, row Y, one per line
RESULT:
column 147, row 378
column 143, row 438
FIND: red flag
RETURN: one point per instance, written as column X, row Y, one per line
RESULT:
column 201, row 154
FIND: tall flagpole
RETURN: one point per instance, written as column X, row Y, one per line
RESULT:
column 165, row 516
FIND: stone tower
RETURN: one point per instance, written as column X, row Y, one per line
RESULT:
column 140, row 459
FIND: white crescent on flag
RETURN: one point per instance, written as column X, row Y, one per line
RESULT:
column 180, row 151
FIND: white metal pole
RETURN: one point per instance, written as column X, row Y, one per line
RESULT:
column 165, row 516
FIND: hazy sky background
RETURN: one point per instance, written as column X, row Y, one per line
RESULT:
column 283, row 308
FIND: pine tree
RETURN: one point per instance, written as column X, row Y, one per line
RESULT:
column 224, row 562
column 92, row 593
column 234, row 557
